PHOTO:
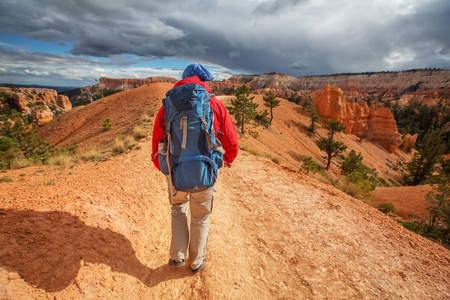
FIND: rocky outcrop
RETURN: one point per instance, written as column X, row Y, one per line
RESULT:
column 378, row 125
column 124, row 84
column 41, row 104
column 409, row 141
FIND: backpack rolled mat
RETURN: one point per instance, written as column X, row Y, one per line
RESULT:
column 191, row 155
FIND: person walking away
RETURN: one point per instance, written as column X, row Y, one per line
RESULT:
column 186, row 148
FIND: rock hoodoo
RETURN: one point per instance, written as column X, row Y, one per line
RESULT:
column 378, row 125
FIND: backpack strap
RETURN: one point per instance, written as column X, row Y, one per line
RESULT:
column 169, row 150
column 209, row 140
column 183, row 126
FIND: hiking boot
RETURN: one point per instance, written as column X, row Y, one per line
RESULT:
column 174, row 263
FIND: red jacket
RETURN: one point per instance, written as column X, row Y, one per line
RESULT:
column 222, row 123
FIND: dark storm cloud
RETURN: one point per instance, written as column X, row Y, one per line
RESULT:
column 99, row 29
column 297, row 37
column 273, row 7
column 9, row 56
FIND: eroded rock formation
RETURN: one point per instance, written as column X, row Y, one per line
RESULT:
column 409, row 141
column 378, row 125
column 41, row 104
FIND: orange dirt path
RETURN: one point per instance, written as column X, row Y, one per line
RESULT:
column 102, row 230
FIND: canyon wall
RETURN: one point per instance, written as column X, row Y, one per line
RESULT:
column 415, row 83
column 425, row 85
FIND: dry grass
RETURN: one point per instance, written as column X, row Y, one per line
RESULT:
column 258, row 152
column 146, row 118
column 23, row 163
column 139, row 132
column 322, row 177
column 355, row 190
column 92, row 155
column 60, row 160
column 122, row 144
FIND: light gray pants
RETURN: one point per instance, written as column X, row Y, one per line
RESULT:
column 201, row 205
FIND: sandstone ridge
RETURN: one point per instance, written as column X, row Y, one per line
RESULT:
column 130, row 83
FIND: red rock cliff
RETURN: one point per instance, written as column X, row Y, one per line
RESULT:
column 378, row 125
column 41, row 104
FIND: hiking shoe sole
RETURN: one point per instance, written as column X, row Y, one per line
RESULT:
column 198, row 269
column 174, row 263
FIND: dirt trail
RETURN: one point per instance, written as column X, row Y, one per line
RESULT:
column 102, row 230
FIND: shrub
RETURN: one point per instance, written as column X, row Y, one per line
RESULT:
column 24, row 162
column 412, row 226
column 129, row 141
column 309, row 165
column 254, row 134
column 145, row 118
column 357, row 190
column 262, row 119
column 353, row 163
column 393, row 183
column 386, row 208
column 19, row 137
column 355, row 185
column 92, row 155
column 122, row 144
column 275, row 159
column 119, row 145
column 322, row 177
column 383, row 181
column 139, row 132
column 107, row 124
column 8, row 151
column 5, row 179
column 60, row 160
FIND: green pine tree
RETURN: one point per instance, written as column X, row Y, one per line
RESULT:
column 423, row 163
column 243, row 108
column 353, row 163
column 330, row 146
column 18, row 128
column 271, row 102
column 314, row 115
column 439, row 199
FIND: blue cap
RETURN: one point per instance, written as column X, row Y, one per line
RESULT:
column 199, row 71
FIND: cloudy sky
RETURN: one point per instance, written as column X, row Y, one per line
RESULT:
column 74, row 42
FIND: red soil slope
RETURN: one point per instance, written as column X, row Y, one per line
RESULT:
column 406, row 200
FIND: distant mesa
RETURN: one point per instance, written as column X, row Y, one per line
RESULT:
column 124, row 84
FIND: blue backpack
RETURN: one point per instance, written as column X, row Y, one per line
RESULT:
column 190, row 154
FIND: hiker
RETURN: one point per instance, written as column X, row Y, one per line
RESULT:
column 192, row 180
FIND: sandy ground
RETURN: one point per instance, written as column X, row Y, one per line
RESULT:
column 101, row 230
